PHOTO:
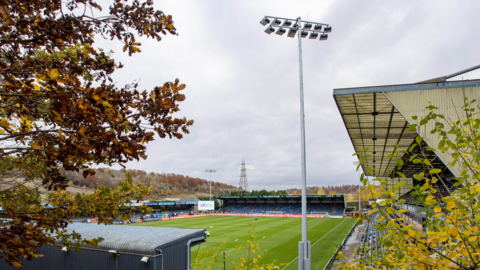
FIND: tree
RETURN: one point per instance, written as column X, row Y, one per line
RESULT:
column 321, row 191
column 61, row 109
column 449, row 239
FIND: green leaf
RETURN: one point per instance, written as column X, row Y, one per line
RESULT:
column 389, row 156
column 417, row 160
column 400, row 184
column 430, row 148
column 419, row 176
column 369, row 170
column 412, row 127
column 400, row 202
column 423, row 121
column 432, row 171
column 412, row 157
column 427, row 162
column 441, row 144
column 418, row 139
column 412, row 147
column 399, row 163
column 401, row 174
column 414, row 117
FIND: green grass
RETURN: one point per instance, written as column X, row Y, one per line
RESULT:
column 282, row 236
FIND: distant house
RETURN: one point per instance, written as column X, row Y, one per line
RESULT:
column 124, row 248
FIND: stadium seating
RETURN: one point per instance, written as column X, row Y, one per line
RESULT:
column 290, row 208
column 339, row 209
column 262, row 208
column 242, row 208
column 285, row 208
column 315, row 208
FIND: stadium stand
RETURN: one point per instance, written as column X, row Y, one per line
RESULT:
column 263, row 208
column 288, row 204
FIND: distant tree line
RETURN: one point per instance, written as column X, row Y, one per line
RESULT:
column 164, row 184
column 262, row 192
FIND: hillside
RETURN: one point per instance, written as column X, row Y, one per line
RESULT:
column 164, row 184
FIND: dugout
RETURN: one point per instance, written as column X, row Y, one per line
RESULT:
column 123, row 248
column 379, row 117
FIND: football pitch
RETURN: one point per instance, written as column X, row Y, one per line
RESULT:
column 280, row 242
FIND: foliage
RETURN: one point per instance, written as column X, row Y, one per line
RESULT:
column 248, row 255
column 449, row 239
column 162, row 184
column 60, row 108
column 262, row 192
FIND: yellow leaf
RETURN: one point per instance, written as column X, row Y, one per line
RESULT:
column 53, row 73
column 473, row 238
column 453, row 231
column 36, row 146
column 36, row 87
column 411, row 233
column 437, row 209
column 439, row 215
column 82, row 130
column 450, row 205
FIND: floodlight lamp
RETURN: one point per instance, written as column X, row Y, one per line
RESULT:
column 317, row 28
column 323, row 37
column 281, row 31
column 313, row 35
column 64, row 249
column 328, row 29
column 287, row 23
column 112, row 251
column 269, row 30
column 265, row 21
column 276, row 22
column 292, row 32
column 307, row 26
column 304, row 34
column 144, row 259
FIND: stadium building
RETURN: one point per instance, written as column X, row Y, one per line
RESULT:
column 328, row 205
column 123, row 248
column 379, row 117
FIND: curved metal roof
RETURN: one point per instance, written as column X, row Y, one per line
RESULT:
column 133, row 239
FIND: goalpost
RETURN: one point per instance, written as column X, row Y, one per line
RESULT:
column 273, row 213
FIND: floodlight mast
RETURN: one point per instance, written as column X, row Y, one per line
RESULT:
column 211, row 171
column 304, row 254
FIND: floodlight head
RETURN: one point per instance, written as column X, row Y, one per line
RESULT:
column 313, row 35
column 64, row 249
column 276, row 22
column 112, row 251
column 328, row 29
column 269, row 30
column 304, row 34
column 281, row 31
column 265, row 21
column 307, row 26
column 144, row 259
column 287, row 23
column 317, row 28
column 292, row 32
column 323, row 36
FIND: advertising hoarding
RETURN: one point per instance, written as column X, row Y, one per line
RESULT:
column 206, row 205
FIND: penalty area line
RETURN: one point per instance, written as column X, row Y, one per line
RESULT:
column 314, row 243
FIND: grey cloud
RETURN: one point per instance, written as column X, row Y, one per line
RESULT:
column 242, row 84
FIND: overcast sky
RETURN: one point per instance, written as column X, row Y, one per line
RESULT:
column 243, row 85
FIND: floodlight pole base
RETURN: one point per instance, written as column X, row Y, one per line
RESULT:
column 304, row 259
